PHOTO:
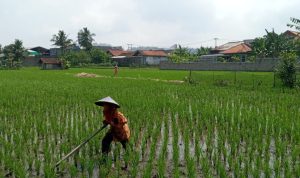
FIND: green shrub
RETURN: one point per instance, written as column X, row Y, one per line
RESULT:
column 287, row 69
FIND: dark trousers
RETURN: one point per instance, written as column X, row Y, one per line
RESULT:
column 106, row 142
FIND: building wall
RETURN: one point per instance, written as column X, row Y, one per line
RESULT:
column 263, row 65
column 51, row 66
column 129, row 61
column 31, row 61
column 55, row 51
column 153, row 60
column 138, row 61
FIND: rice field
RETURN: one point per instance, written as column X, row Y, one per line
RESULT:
column 225, row 125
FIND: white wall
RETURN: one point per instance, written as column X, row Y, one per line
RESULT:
column 151, row 60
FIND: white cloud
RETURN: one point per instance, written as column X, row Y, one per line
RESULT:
column 143, row 22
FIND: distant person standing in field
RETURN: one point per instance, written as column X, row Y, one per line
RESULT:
column 119, row 130
column 116, row 68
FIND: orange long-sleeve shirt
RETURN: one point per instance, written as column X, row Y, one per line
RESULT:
column 119, row 127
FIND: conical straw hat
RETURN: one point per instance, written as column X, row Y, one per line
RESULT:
column 108, row 100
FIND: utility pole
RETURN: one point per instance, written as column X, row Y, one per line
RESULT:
column 129, row 48
column 216, row 42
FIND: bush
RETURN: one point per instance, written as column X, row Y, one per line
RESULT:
column 65, row 63
column 287, row 69
column 221, row 59
column 250, row 59
column 77, row 57
column 99, row 56
column 235, row 58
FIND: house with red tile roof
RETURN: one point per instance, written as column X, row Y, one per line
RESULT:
column 230, row 49
column 238, row 49
column 292, row 34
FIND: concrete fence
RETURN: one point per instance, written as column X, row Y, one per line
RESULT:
column 263, row 65
column 31, row 61
column 128, row 61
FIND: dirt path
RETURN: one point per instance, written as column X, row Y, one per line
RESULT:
column 91, row 75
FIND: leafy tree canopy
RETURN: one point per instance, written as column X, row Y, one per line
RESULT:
column 13, row 54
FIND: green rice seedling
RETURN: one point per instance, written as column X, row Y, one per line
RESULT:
column 295, row 157
column 267, row 170
column 227, row 119
column 297, row 170
column 191, row 169
column 221, row 170
column 205, row 167
column 19, row 170
column 175, row 151
column 198, row 151
column 73, row 171
column 30, row 163
column 186, row 140
column 90, row 167
column 277, row 168
column 286, row 170
column 161, row 167
column 163, row 154
column 37, row 167
column 103, row 171
column 149, row 166
column 236, row 170
column 48, row 171
column 135, row 157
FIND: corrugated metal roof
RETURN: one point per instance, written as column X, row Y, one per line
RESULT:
column 116, row 52
column 158, row 53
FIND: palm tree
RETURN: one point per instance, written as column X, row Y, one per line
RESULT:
column 203, row 51
column 85, row 39
column 61, row 40
column 295, row 23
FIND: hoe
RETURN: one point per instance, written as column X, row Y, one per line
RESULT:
column 79, row 146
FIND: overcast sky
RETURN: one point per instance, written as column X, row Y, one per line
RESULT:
column 159, row 23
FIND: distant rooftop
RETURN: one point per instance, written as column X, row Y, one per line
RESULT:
column 117, row 52
column 228, row 45
column 238, row 49
column 158, row 53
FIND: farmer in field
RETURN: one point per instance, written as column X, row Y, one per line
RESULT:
column 116, row 69
column 119, row 130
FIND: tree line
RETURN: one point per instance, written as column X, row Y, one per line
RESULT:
column 271, row 45
column 11, row 56
column 87, row 55
column 184, row 54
